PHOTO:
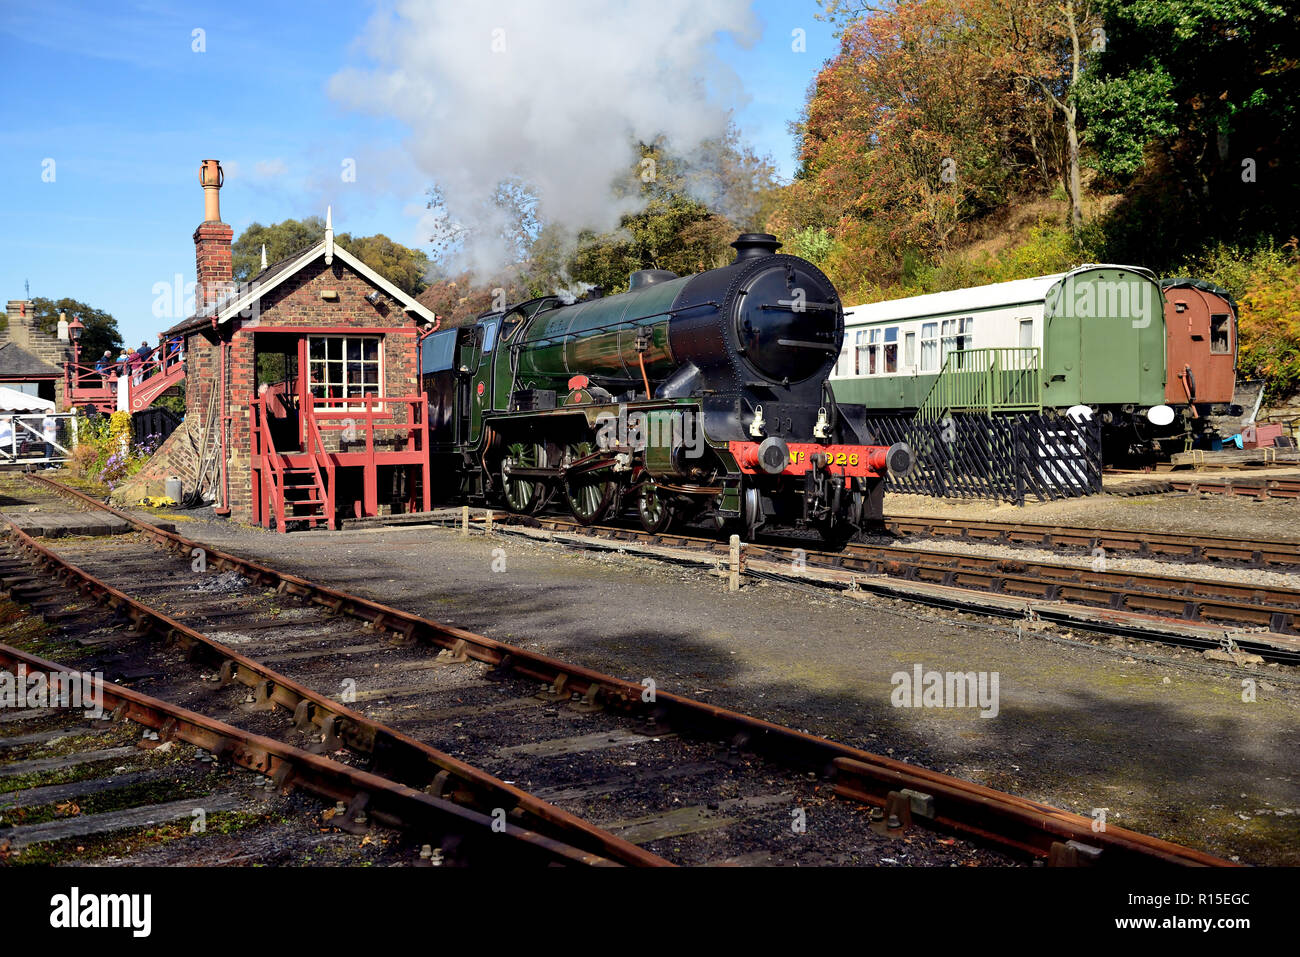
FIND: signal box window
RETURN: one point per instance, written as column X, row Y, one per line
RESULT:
column 1219, row 335
column 343, row 367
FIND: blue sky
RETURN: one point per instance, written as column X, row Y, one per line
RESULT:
column 126, row 109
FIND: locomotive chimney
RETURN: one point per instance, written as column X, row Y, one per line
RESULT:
column 212, row 241
column 753, row 245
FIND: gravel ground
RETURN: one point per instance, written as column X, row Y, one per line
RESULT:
column 1162, row 740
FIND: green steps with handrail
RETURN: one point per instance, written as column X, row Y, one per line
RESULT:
column 1005, row 379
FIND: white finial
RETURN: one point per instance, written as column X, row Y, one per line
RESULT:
column 329, row 235
column 263, row 255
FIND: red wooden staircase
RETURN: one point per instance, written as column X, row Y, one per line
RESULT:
column 302, row 485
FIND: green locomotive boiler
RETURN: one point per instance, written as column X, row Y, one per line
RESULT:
column 691, row 396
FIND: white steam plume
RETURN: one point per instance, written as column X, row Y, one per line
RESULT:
column 555, row 94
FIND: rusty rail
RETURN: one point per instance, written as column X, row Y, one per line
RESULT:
column 400, row 756
column 857, row 774
column 1144, row 544
column 1288, row 488
column 464, row 835
column 1110, row 602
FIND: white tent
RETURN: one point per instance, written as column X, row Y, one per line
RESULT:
column 11, row 400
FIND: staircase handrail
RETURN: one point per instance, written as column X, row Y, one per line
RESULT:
column 268, row 453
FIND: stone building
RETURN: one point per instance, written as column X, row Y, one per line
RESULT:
column 31, row 360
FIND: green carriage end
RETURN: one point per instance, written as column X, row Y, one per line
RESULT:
column 1096, row 335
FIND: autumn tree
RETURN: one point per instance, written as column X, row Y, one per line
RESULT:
column 908, row 133
column 1270, row 324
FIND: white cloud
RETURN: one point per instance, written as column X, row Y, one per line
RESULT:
column 554, row 94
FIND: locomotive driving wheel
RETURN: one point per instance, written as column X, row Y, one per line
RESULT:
column 523, row 495
column 589, row 493
column 653, row 509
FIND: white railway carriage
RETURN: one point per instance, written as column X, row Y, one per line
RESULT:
column 1092, row 336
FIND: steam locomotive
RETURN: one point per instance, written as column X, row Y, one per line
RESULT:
column 686, row 397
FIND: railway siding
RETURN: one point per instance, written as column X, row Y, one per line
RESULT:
column 783, row 745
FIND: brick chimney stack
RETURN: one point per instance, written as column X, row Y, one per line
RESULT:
column 214, row 270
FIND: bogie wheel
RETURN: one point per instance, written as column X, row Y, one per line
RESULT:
column 523, row 495
column 653, row 509
column 589, row 494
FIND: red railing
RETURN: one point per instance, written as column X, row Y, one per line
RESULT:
column 270, row 494
column 315, row 445
column 340, row 433
column 86, row 385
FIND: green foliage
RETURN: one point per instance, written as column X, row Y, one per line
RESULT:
column 173, row 403
column 1125, row 114
column 1211, row 88
column 1047, row 248
column 105, row 453
column 404, row 267
column 282, row 240
column 101, row 328
column 812, row 243
column 693, row 207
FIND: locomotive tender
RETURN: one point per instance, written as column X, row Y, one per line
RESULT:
column 686, row 396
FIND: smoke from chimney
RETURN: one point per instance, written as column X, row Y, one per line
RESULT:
column 553, row 96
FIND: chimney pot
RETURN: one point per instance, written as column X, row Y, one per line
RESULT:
column 212, row 239
column 211, row 177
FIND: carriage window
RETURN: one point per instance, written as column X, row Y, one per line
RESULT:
column 1219, row 335
column 909, row 349
column 891, row 349
column 861, row 343
column 343, row 367
column 873, row 348
column 930, row 347
column 1026, row 333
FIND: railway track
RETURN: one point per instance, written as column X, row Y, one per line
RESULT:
column 121, row 789
column 1193, row 612
column 1283, row 487
column 672, row 776
column 1248, row 487
column 1139, row 542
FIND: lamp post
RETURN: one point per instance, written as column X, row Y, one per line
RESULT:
column 75, row 328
